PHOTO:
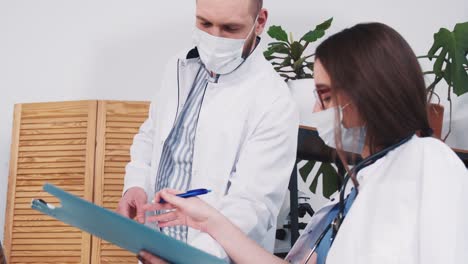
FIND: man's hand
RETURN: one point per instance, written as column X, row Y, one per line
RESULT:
column 131, row 204
column 148, row 258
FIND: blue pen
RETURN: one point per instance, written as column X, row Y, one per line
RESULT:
column 191, row 193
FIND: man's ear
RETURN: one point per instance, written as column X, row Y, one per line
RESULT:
column 262, row 20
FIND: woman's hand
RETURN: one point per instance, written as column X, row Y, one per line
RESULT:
column 191, row 212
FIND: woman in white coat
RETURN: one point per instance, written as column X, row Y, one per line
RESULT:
column 408, row 201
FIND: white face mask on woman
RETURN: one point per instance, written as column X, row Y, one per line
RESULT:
column 220, row 55
column 352, row 139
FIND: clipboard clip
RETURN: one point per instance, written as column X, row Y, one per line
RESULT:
column 43, row 206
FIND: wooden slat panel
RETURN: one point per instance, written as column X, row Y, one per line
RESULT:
column 51, row 171
column 109, row 187
column 53, row 136
column 45, row 247
column 62, row 181
column 119, row 136
column 112, row 164
column 52, row 253
column 114, row 170
column 53, row 143
column 122, row 130
column 32, row 218
column 37, row 223
column 48, row 235
column 116, row 176
column 116, row 118
column 123, row 124
column 120, row 259
column 52, row 159
column 119, row 141
column 118, row 122
column 39, row 188
column 117, row 153
column 41, row 241
column 60, row 176
column 118, row 147
column 118, row 158
column 45, row 260
column 24, row 200
column 44, row 165
column 54, row 131
column 63, row 153
column 48, row 110
column 45, row 120
column 36, row 194
column 51, row 148
column 52, row 229
column 112, row 253
column 64, row 125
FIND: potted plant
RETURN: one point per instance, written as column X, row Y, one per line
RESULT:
column 449, row 55
column 292, row 59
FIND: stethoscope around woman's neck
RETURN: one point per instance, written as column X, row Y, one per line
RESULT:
column 336, row 224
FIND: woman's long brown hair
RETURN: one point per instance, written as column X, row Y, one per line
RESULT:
column 377, row 69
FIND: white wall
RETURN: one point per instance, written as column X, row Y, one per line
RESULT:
column 54, row 50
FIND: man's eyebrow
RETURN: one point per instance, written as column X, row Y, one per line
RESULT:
column 202, row 18
column 233, row 25
column 228, row 24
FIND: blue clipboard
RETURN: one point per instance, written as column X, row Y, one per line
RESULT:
column 119, row 230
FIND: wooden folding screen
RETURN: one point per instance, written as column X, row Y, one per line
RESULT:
column 82, row 147
column 51, row 142
column 118, row 122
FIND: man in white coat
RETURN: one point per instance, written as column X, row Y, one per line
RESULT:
column 222, row 120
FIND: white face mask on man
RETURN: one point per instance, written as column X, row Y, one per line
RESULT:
column 352, row 139
column 220, row 55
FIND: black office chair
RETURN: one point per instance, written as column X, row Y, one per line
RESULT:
column 2, row 255
column 311, row 147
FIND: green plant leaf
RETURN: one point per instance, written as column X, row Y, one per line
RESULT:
column 268, row 54
column 318, row 32
column 325, row 25
column 306, row 169
column 331, row 180
column 313, row 35
column 314, row 184
column 439, row 63
column 278, row 33
column 451, row 61
column 299, row 64
column 296, row 50
column 279, row 43
column 287, row 61
column 279, row 49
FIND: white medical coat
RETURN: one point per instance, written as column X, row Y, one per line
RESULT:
column 245, row 145
column 412, row 207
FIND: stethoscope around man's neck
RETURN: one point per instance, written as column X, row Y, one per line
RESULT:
column 336, row 223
